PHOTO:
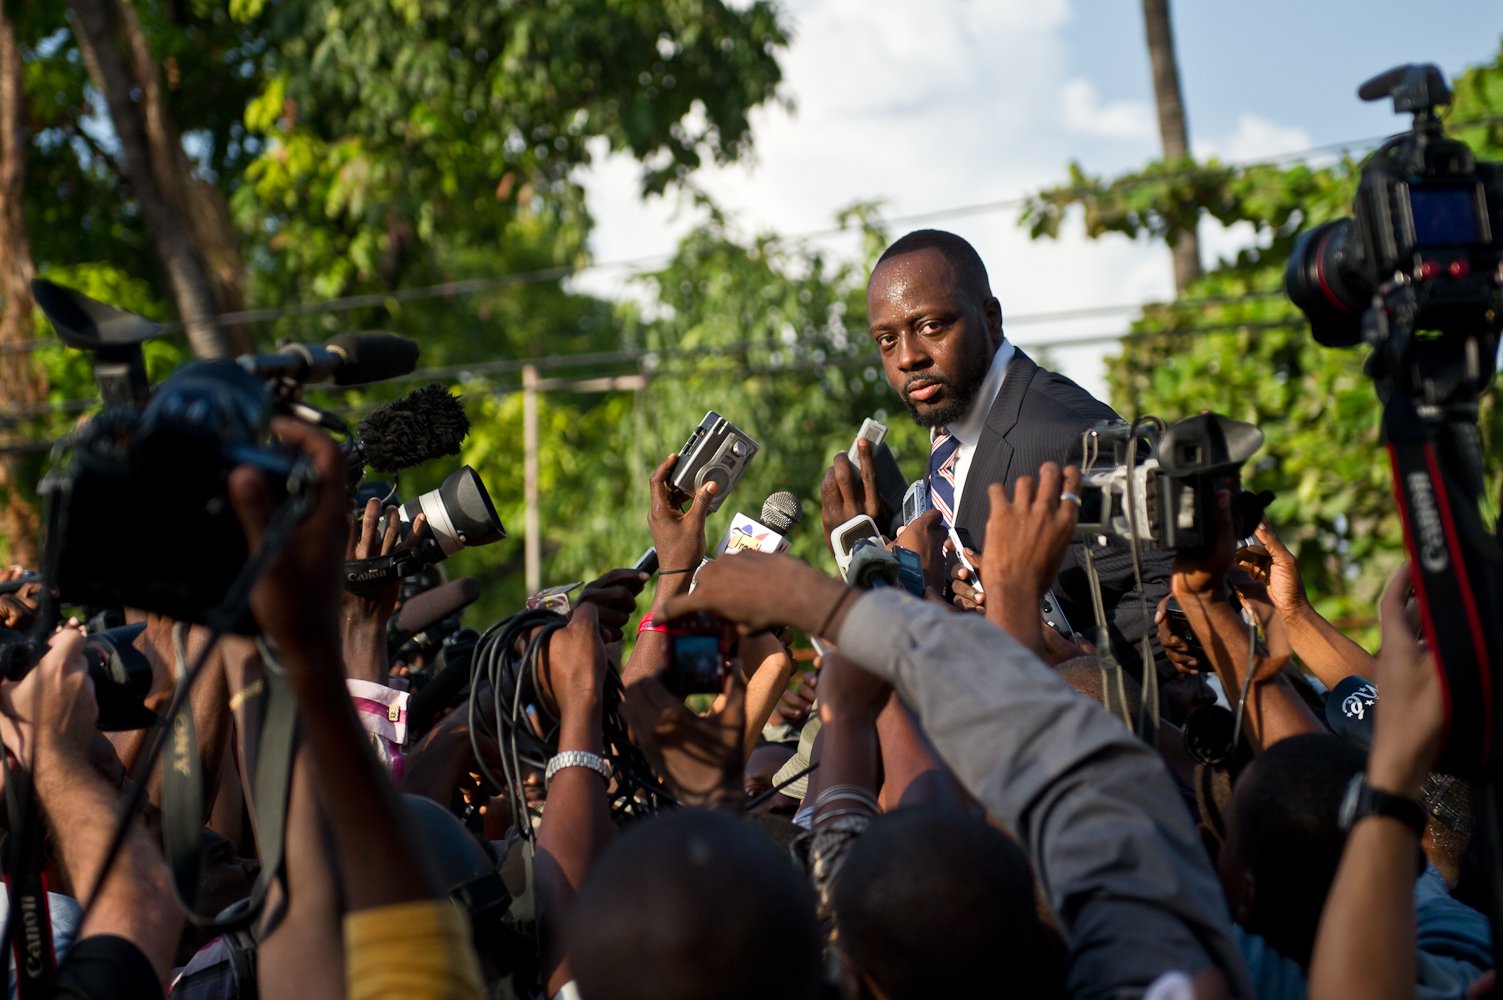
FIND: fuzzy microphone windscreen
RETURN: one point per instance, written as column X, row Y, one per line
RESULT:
column 425, row 424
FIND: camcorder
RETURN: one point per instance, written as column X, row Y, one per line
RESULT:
column 138, row 478
column 1166, row 501
column 1417, row 274
column 120, row 672
column 142, row 476
column 717, row 452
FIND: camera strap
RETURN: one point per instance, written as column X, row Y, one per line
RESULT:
column 364, row 577
column 1457, row 580
column 1112, row 685
column 183, row 794
column 29, row 920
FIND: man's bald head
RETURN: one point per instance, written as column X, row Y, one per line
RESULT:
column 694, row 906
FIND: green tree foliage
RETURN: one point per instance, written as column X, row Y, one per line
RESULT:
column 769, row 334
column 1235, row 344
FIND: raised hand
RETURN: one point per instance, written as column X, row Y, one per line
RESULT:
column 847, row 491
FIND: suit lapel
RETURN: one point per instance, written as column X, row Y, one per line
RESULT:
column 993, row 454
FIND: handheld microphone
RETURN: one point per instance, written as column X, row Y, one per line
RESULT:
column 780, row 513
column 349, row 359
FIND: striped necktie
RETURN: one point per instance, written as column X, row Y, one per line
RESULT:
column 942, row 454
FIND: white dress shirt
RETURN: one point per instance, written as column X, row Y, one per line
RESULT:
column 967, row 430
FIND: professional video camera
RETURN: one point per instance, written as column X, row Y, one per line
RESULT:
column 1167, row 501
column 139, row 477
column 1418, row 276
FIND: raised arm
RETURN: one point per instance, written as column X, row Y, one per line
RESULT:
column 1064, row 775
column 48, row 722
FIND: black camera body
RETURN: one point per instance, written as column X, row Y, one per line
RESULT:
column 1167, row 502
column 1427, row 215
column 142, row 516
column 121, row 673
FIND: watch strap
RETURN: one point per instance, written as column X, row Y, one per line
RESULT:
column 1363, row 800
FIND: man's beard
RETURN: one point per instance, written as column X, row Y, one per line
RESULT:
column 960, row 396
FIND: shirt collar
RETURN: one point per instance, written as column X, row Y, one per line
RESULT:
column 967, row 430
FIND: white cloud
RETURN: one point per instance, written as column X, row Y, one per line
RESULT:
column 1253, row 139
column 1082, row 112
column 927, row 107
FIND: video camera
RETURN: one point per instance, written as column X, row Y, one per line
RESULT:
column 140, row 517
column 1167, row 501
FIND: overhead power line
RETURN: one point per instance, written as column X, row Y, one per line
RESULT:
column 475, row 286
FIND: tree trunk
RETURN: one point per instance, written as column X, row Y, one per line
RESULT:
column 1174, row 131
column 194, row 200
column 20, row 383
column 96, row 23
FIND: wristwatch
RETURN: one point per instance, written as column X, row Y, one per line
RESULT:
column 1362, row 799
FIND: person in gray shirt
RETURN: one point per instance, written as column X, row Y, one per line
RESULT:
column 1094, row 807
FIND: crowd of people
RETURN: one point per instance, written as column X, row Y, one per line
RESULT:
column 950, row 798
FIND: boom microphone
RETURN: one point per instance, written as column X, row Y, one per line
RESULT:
column 425, row 424
column 349, row 359
column 433, row 606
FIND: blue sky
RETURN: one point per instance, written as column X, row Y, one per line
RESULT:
column 933, row 105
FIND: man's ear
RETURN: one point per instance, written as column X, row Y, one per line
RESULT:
column 991, row 309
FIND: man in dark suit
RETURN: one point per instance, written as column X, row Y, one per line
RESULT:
column 993, row 415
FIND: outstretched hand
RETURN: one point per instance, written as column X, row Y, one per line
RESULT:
column 614, row 597
column 1026, row 537
column 1027, row 533
column 298, row 596
column 678, row 535
column 759, row 589
column 54, row 703
column 1411, row 718
column 847, row 491
column 701, row 756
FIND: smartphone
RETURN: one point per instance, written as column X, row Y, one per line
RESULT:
column 1053, row 617
column 647, row 562
column 958, row 542
column 698, row 655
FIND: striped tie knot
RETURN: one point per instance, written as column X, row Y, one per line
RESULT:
column 942, row 454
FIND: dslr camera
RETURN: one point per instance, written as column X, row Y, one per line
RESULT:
column 120, row 672
column 717, row 452
column 1167, row 501
column 1427, row 218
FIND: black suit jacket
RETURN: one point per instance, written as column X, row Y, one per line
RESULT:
column 1037, row 417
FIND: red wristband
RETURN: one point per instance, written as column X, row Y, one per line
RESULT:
column 649, row 624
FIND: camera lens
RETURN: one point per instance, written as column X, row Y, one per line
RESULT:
column 460, row 512
column 1325, row 279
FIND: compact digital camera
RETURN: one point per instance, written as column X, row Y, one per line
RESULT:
column 717, row 452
